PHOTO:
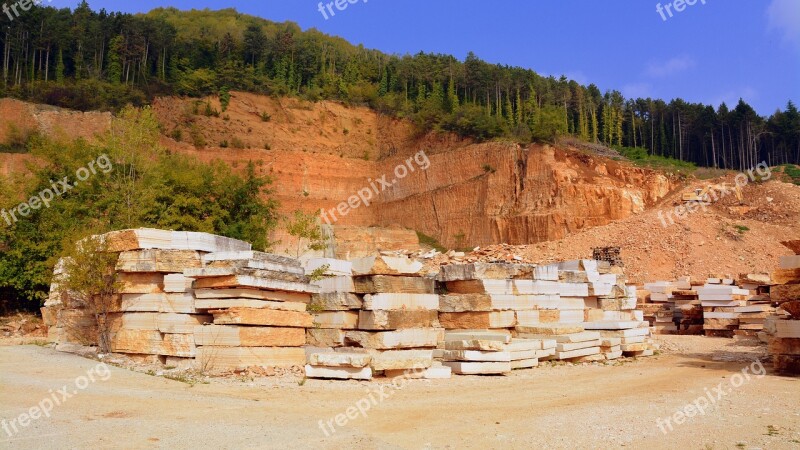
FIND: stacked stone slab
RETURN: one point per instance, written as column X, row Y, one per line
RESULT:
column 258, row 302
column 492, row 296
column 785, row 346
column 631, row 339
column 335, row 307
column 399, row 320
column 611, row 310
column 387, row 310
column 549, row 298
column 154, row 314
column 339, row 365
column 572, row 341
column 662, row 313
column 729, row 310
column 673, row 307
column 688, row 308
column 786, row 278
column 484, row 352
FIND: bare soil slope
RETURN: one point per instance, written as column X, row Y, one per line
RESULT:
column 726, row 238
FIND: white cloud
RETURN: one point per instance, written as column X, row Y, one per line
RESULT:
column 784, row 16
column 637, row 90
column 670, row 67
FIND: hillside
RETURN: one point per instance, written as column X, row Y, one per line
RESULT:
column 563, row 200
column 321, row 154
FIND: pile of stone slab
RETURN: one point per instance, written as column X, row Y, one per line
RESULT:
column 492, row 296
column 486, row 352
column 629, row 339
column 729, row 310
column 550, row 303
column 258, row 302
column 660, row 307
column 573, row 342
column 786, row 279
column 673, row 307
column 688, row 307
column 785, row 345
column 335, row 307
column 396, row 324
column 195, row 300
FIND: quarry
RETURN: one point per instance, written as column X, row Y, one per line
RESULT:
column 552, row 296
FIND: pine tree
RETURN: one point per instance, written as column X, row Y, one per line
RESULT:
column 437, row 96
column 509, row 110
column 384, row 86
column 421, row 95
column 531, row 112
column 594, row 124
column 452, row 96
column 60, row 67
column 115, row 60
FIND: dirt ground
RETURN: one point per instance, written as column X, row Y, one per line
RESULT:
column 553, row 406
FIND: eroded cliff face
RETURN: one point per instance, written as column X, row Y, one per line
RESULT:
column 322, row 154
column 491, row 193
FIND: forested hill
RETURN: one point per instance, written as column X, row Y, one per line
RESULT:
column 86, row 59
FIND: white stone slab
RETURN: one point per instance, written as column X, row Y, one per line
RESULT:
column 524, row 363
column 570, row 346
column 177, row 283
column 546, row 273
column 481, row 335
column 339, row 373
column 478, row 368
column 572, row 290
column 401, row 301
column 527, row 318
column 537, row 287
column 335, row 266
column 476, row 355
column 578, row 337
column 578, row 353
column 333, row 284
column 612, row 325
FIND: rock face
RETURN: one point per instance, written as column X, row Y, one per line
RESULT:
column 322, row 155
column 490, row 193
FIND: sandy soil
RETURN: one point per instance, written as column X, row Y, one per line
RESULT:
column 558, row 406
column 705, row 243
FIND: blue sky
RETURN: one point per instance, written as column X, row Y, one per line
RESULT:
column 709, row 53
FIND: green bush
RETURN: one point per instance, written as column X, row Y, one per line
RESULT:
column 146, row 187
column 641, row 157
